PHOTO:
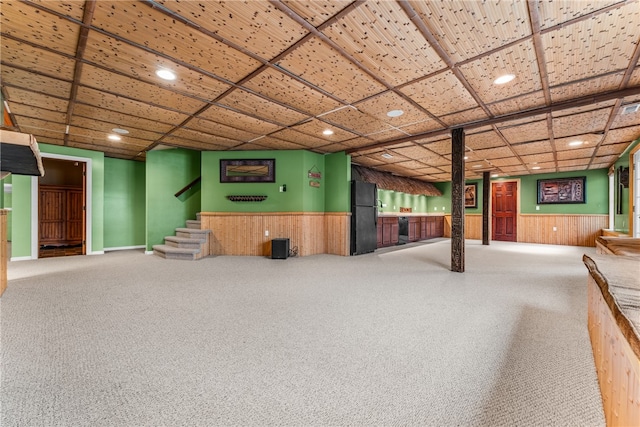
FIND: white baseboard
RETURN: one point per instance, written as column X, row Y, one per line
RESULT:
column 124, row 248
column 96, row 253
column 148, row 252
column 21, row 258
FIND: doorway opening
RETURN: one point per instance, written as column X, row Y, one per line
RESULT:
column 504, row 202
column 61, row 208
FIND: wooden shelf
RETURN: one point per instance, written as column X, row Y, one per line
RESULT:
column 247, row 198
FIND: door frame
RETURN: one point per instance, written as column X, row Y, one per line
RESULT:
column 633, row 222
column 88, row 203
column 518, row 198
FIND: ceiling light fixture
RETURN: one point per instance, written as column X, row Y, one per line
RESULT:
column 504, row 79
column 395, row 113
column 120, row 131
column 476, row 166
column 576, row 143
column 387, row 156
column 327, row 132
column 165, row 74
column 536, row 167
column 114, row 137
column 466, row 157
column 495, row 175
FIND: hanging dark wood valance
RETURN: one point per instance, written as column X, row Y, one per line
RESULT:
column 19, row 154
column 387, row 181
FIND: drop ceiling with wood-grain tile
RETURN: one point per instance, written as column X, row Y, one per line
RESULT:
column 323, row 75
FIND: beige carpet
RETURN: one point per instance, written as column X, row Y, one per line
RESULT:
column 390, row 338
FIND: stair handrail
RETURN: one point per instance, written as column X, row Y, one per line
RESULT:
column 188, row 186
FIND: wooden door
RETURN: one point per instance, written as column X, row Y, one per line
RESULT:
column 504, row 197
column 52, row 215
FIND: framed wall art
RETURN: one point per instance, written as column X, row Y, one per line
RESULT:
column 471, row 195
column 562, row 190
column 249, row 170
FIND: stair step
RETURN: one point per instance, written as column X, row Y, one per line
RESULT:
column 182, row 242
column 192, row 233
column 198, row 216
column 193, row 224
column 171, row 252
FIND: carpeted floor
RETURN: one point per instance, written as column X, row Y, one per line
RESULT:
column 390, row 338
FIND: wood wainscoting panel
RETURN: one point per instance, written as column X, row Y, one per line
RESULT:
column 473, row 226
column 337, row 233
column 310, row 233
column 617, row 366
column 572, row 230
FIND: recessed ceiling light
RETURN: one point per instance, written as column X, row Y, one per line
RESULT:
column 495, row 175
column 120, row 131
column 114, row 137
column 163, row 73
column 476, row 166
column 327, row 132
column 395, row 113
column 504, row 79
column 387, row 156
column 576, row 143
column 536, row 167
column 466, row 157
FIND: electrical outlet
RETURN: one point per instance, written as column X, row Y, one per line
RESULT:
column 555, row 228
column 537, row 208
column 266, row 233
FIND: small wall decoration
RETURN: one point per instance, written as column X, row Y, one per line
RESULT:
column 562, row 190
column 406, row 210
column 315, row 184
column 471, row 195
column 315, row 173
column 249, row 170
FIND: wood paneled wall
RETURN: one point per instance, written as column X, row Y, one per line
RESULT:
column 572, row 230
column 617, row 366
column 240, row 233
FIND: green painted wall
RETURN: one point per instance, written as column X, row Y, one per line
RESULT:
column 20, row 216
column 597, row 194
column 441, row 204
column 313, row 199
column 391, row 201
column 621, row 221
column 97, row 188
column 336, row 180
column 291, row 170
column 124, row 203
column 167, row 172
column 21, row 201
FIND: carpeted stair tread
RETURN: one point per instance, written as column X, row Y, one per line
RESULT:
column 192, row 231
column 172, row 252
column 193, row 224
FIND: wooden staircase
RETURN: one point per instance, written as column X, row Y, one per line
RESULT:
column 190, row 243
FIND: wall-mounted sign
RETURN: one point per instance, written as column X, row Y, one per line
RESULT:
column 406, row 209
column 315, row 184
column 315, row 173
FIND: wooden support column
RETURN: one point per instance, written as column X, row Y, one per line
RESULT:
column 486, row 215
column 457, row 200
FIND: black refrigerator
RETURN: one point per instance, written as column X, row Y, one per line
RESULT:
column 364, row 217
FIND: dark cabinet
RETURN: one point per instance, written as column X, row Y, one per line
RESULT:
column 413, row 232
column 418, row 228
column 431, row 226
column 387, row 231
